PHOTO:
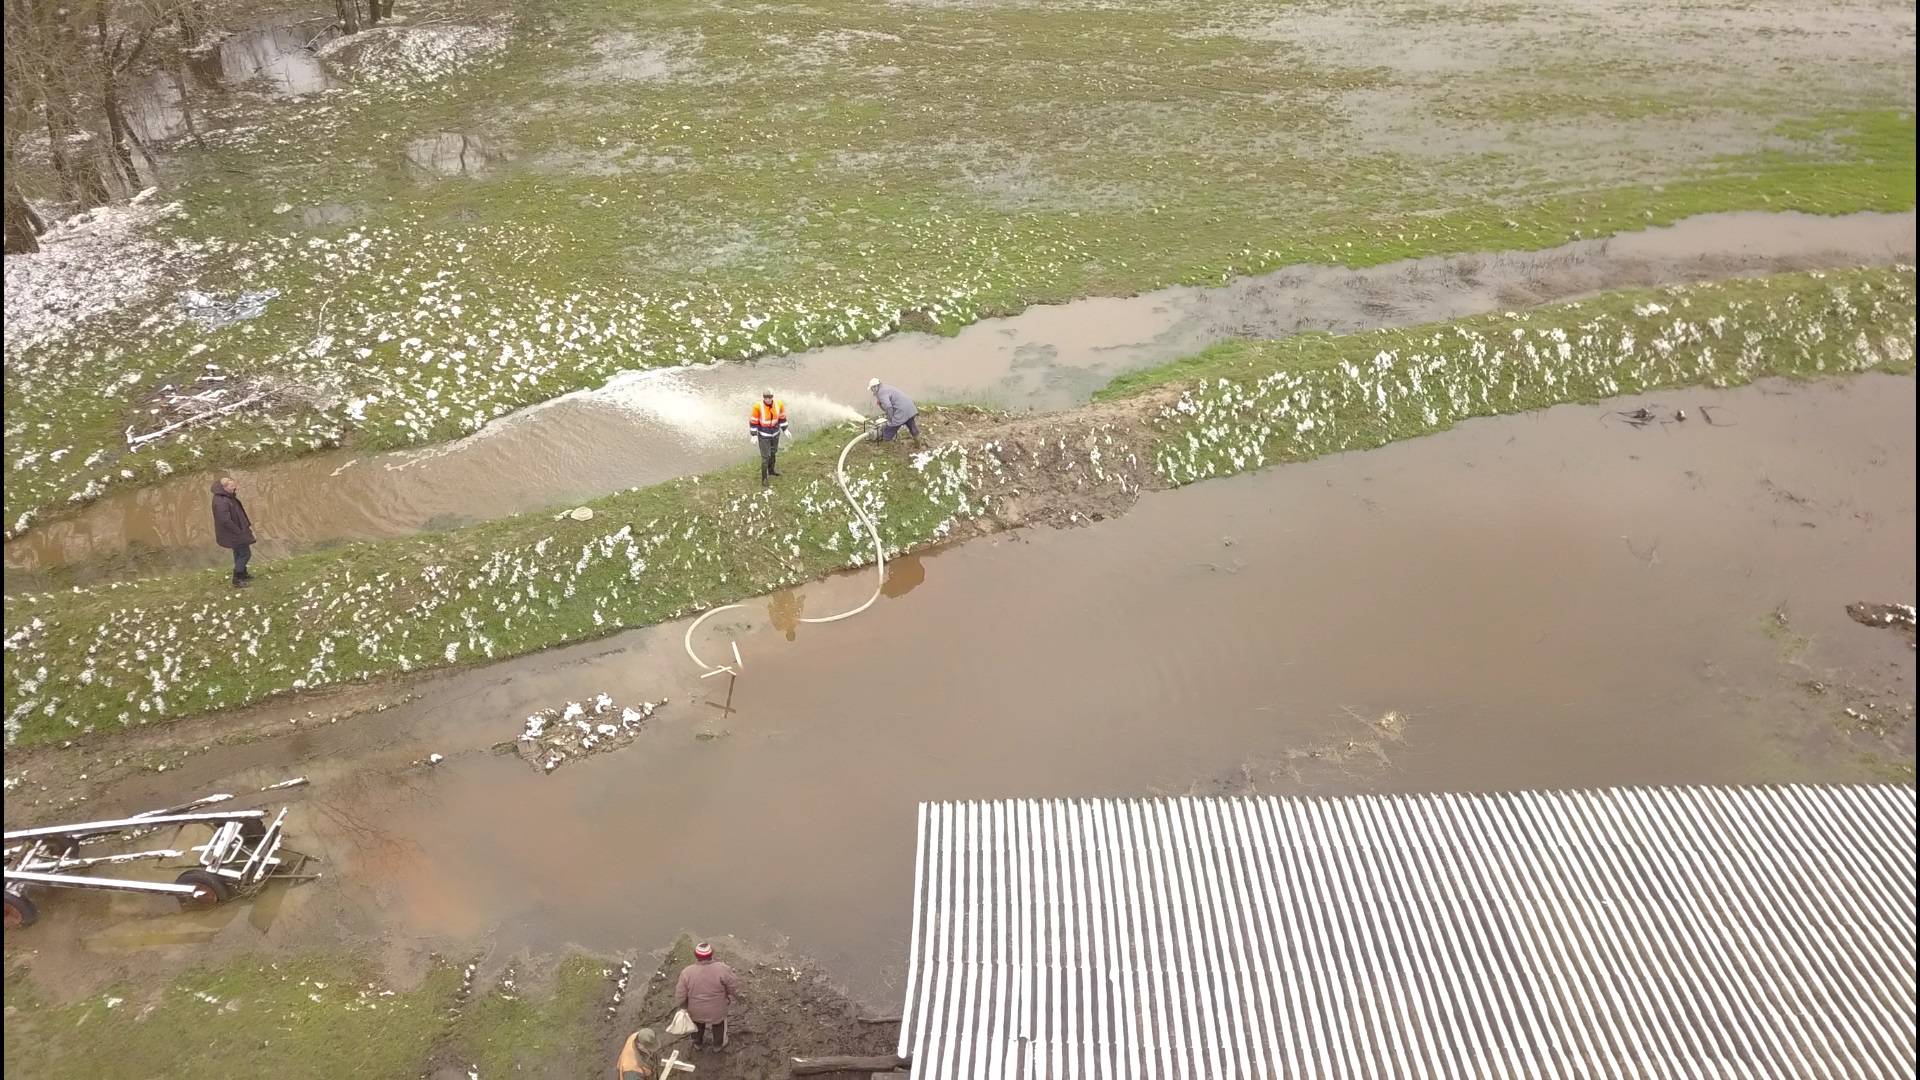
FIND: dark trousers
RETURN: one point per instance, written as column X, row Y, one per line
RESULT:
column 718, row 1028
column 769, row 449
column 912, row 424
column 241, row 553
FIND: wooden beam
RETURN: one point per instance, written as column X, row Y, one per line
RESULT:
column 819, row 1065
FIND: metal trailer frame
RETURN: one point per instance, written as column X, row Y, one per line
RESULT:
column 244, row 852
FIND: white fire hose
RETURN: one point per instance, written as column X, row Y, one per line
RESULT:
column 879, row 565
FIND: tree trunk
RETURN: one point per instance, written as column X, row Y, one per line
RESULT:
column 140, row 144
column 120, row 152
column 23, row 225
column 186, row 106
column 83, row 184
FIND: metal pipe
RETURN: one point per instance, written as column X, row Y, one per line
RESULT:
column 77, row 881
column 89, row 827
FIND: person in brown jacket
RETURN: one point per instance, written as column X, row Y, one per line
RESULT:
column 232, row 529
column 706, row 987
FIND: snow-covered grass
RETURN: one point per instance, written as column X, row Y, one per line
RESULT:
column 1247, row 405
column 683, row 183
column 106, row 260
column 96, row 660
column 404, row 55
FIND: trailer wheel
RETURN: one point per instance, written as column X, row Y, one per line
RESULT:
column 208, row 889
column 21, row 912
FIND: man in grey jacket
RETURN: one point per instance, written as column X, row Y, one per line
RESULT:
column 898, row 409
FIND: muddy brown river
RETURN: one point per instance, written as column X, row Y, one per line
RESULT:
column 1544, row 600
column 646, row 427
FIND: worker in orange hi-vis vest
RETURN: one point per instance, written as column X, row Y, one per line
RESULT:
column 637, row 1054
column 768, row 421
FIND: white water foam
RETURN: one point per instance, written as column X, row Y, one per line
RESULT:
column 709, row 414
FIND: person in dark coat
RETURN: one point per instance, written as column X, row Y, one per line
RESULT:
column 232, row 529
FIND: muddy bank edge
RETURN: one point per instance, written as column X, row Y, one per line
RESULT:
column 91, row 661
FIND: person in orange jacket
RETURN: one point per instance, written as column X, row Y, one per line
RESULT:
column 637, row 1054
column 768, row 421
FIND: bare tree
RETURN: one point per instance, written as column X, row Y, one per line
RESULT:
column 69, row 68
column 119, row 49
column 23, row 93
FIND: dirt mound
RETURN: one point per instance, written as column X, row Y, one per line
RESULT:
column 1895, row 616
column 1061, row 470
column 786, row 1011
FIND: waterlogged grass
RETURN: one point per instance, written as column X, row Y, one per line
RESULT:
column 552, row 1031
column 170, row 647
column 639, row 185
column 320, row 1017
column 95, row 660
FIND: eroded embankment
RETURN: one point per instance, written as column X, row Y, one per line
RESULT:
column 94, row 660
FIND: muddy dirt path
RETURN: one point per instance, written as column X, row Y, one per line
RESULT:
column 1542, row 600
column 647, row 427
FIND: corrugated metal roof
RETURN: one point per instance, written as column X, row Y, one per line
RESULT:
column 1628, row 932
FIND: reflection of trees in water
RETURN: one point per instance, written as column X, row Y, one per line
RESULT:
column 784, row 608
column 107, row 84
column 364, row 818
column 904, row 574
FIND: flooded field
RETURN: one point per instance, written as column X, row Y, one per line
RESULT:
column 1553, row 599
column 645, row 427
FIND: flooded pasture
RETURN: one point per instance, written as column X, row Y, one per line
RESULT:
column 1547, row 600
column 645, row 427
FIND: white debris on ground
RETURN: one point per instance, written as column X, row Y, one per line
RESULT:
column 212, row 312
column 411, row 54
column 95, row 263
column 620, row 976
column 553, row 738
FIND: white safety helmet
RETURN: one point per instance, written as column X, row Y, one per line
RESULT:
column 873, row 384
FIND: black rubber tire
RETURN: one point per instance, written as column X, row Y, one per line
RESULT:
column 209, row 889
column 21, row 912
